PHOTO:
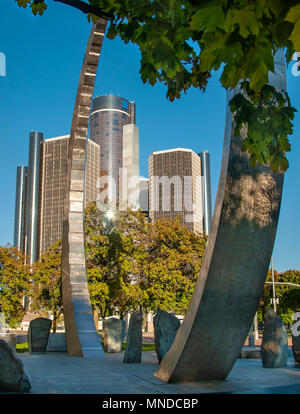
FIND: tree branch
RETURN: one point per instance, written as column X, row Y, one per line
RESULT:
column 87, row 8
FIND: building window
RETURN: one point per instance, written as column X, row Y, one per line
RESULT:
column 95, row 115
column 124, row 104
column 115, row 122
column 115, row 129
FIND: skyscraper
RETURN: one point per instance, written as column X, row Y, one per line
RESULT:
column 175, row 187
column 20, row 208
column 129, row 179
column 53, row 184
column 113, row 123
column 40, row 194
column 206, row 187
column 33, row 195
column 144, row 195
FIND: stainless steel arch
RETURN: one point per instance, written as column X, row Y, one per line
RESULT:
column 235, row 265
column 81, row 335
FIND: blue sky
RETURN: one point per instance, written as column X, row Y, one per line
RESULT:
column 44, row 57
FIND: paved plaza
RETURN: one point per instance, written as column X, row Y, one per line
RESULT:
column 58, row 373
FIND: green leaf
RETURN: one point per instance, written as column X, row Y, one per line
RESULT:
column 209, row 17
column 294, row 17
column 295, row 36
column 243, row 18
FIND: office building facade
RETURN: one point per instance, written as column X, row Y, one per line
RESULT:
column 144, row 195
column 44, row 189
column 175, row 187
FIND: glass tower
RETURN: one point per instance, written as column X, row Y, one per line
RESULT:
column 206, row 186
column 109, row 115
column 20, row 205
column 33, row 195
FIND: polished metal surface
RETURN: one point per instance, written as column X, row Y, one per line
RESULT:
column 235, row 265
column 81, row 335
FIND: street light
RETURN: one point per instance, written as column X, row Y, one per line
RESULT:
column 274, row 299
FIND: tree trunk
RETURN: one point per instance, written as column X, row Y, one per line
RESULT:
column 54, row 322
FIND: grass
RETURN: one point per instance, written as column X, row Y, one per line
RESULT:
column 23, row 347
column 145, row 347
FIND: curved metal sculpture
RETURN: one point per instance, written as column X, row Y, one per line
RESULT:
column 236, row 260
column 81, row 335
column 235, row 265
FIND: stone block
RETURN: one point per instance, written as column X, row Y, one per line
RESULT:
column 10, row 339
column 296, row 348
column 250, row 353
column 113, row 334
column 57, row 342
column 274, row 348
column 166, row 326
column 38, row 334
column 133, row 353
column 12, row 375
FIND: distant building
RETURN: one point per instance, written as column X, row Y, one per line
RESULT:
column 113, row 127
column 206, row 188
column 40, row 192
column 32, row 212
column 20, row 208
column 175, row 187
column 144, row 195
column 53, row 184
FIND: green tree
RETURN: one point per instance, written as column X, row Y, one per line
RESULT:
column 46, row 295
column 288, row 295
column 172, row 265
column 14, row 284
column 183, row 42
column 140, row 265
column 112, row 260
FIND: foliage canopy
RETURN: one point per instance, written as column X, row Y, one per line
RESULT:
column 46, row 293
column 14, row 284
column 140, row 265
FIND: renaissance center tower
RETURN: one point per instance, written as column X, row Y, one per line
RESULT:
column 113, row 128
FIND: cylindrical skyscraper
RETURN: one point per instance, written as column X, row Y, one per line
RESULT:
column 109, row 114
column 33, row 195
column 206, row 186
column 20, row 208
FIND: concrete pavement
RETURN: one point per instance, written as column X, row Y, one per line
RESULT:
column 57, row 373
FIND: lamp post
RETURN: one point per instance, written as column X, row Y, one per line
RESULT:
column 274, row 299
